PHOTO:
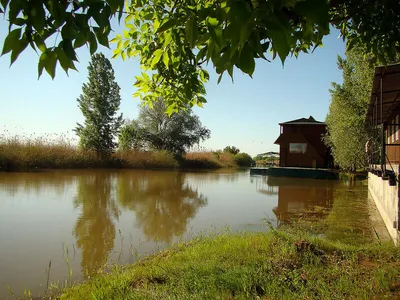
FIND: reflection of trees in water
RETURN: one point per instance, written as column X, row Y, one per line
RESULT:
column 227, row 175
column 95, row 228
column 163, row 202
column 349, row 220
column 37, row 182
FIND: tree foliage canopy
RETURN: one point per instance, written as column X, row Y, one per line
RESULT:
column 231, row 149
column 347, row 134
column 99, row 103
column 243, row 159
column 156, row 130
column 174, row 39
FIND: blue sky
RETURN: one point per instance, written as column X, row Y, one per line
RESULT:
column 244, row 114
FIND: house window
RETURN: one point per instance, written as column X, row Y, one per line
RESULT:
column 397, row 128
column 297, row 147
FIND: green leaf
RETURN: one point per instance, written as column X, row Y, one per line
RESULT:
column 42, row 61
column 280, row 43
column 92, row 43
column 68, row 31
column 11, row 40
column 216, row 35
column 156, row 57
column 239, row 12
column 191, row 31
column 148, row 16
column 129, row 18
column 50, row 63
column 314, row 10
column 101, row 37
column 80, row 40
column 166, row 59
column 115, row 5
column 114, row 40
column 123, row 55
column 220, row 78
column 65, row 62
column 202, row 53
column 40, row 43
column 212, row 22
column 18, row 48
column 37, row 16
column 201, row 100
column 204, row 76
column 167, row 38
column 68, row 49
column 4, row 3
column 167, row 25
column 126, row 34
column 245, row 31
column 246, row 60
column 19, row 21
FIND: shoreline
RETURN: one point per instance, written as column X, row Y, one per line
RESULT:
column 273, row 264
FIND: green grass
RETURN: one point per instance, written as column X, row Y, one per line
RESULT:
column 250, row 265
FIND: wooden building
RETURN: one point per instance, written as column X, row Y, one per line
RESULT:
column 383, row 146
column 301, row 144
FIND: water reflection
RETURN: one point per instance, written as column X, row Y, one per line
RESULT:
column 38, row 182
column 163, row 203
column 295, row 195
column 95, row 226
column 41, row 211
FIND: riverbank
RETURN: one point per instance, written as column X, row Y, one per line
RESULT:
column 17, row 155
column 275, row 264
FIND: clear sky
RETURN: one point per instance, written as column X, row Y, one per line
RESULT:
column 244, row 114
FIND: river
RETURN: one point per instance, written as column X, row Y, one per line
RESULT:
column 82, row 220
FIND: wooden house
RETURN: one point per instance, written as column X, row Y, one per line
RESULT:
column 301, row 144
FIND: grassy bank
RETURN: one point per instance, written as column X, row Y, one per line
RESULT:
column 38, row 153
column 250, row 265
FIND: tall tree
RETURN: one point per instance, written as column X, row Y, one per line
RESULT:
column 174, row 39
column 231, row 149
column 347, row 134
column 157, row 130
column 99, row 103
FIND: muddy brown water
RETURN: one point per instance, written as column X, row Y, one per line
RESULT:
column 87, row 219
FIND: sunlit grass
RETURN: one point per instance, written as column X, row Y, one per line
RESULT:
column 29, row 152
column 273, row 265
column 209, row 159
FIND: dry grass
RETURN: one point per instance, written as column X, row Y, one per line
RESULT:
column 208, row 160
column 226, row 159
column 18, row 153
column 146, row 159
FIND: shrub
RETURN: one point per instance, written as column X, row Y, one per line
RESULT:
column 243, row 159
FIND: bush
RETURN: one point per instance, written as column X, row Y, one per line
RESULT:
column 243, row 159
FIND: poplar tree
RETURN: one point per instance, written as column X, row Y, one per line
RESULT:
column 99, row 103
